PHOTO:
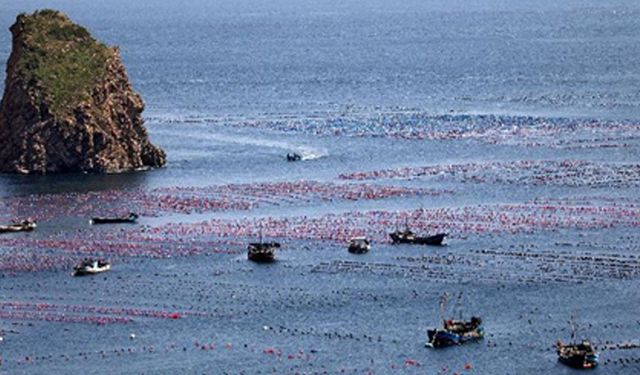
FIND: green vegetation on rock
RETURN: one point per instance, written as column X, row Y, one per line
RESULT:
column 61, row 59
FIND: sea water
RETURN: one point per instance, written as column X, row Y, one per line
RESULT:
column 514, row 126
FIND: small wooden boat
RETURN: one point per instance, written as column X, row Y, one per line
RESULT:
column 579, row 356
column 115, row 220
column 359, row 245
column 91, row 267
column 23, row 226
column 262, row 252
column 294, row 156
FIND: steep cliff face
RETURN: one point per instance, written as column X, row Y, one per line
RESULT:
column 68, row 105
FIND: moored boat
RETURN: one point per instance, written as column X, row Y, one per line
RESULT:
column 23, row 226
column 454, row 332
column 115, row 220
column 408, row 237
column 579, row 356
column 91, row 267
column 262, row 252
column 359, row 245
column 441, row 337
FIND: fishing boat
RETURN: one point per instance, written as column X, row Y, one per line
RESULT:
column 23, row 226
column 407, row 236
column 579, row 356
column 294, row 156
column 262, row 252
column 454, row 331
column 115, row 220
column 359, row 245
column 91, row 267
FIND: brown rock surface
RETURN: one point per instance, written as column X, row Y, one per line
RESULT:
column 68, row 105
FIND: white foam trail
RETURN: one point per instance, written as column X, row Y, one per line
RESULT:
column 307, row 152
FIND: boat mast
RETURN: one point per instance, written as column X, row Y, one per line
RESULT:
column 442, row 303
column 458, row 305
column 574, row 327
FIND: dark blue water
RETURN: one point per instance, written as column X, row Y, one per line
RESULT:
column 247, row 57
column 470, row 89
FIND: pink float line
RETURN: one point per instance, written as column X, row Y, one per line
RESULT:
column 71, row 313
column 491, row 219
column 415, row 125
column 229, row 236
column 523, row 172
column 62, row 318
column 198, row 199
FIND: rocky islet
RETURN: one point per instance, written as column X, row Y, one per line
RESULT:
column 68, row 105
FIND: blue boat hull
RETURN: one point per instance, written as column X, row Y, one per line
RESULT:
column 438, row 338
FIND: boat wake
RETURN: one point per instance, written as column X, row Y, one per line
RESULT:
column 309, row 153
column 305, row 151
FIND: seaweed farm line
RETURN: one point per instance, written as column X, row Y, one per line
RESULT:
column 511, row 126
column 536, row 236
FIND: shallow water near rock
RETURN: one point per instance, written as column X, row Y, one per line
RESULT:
column 514, row 128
